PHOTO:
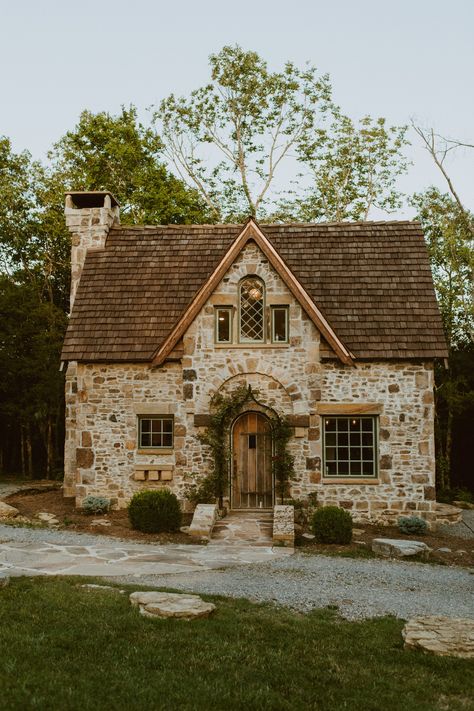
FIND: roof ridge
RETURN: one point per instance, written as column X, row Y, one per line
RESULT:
column 235, row 225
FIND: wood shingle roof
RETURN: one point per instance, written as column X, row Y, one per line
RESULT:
column 371, row 281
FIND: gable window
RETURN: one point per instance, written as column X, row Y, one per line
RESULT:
column 155, row 432
column 223, row 324
column 279, row 324
column 251, row 310
column 350, row 446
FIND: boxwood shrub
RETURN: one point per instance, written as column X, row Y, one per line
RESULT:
column 154, row 511
column 330, row 524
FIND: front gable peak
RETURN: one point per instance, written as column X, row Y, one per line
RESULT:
column 252, row 232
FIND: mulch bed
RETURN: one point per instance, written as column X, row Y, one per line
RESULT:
column 433, row 540
column 31, row 502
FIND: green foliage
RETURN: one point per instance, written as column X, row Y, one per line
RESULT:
column 118, row 153
column 225, row 409
column 352, row 168
column 330, row 524
column 95, row 505
column 412, row 525
column 250, row 117
column 155, row 511
column 447, row 496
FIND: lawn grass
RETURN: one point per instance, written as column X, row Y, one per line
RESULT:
column 65, row 648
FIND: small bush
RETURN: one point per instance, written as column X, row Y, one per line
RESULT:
column 154, row 511
column 95, row 505
column 412, row 525
column 330, row 524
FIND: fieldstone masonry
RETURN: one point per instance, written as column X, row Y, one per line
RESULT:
column 301, row 380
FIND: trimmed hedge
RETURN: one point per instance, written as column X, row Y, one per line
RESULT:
column 154, row 511
column 330, row 524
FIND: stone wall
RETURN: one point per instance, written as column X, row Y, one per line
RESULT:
column 103, row 402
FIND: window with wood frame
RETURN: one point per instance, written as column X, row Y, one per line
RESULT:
column 279, row 324
column 223, row 324
column 251, row 310
column 155, row 432
column 350, row 446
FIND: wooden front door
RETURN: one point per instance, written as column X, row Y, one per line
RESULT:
column 252, row 479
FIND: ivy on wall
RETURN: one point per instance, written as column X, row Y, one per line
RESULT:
column 225, row 408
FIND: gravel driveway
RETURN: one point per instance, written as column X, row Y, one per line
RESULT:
column 359, row 588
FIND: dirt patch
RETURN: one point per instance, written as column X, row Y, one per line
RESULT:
column 31, row 502
column 361, row 546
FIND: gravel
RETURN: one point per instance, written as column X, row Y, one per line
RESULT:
column 465, row 529
column 358, row 588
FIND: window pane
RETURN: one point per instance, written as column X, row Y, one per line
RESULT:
column 223, row 326
column 349, row 446
column 251, row 310
column 156, row 432
column 279, row 325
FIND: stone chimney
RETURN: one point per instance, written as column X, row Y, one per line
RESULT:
column 89, row 217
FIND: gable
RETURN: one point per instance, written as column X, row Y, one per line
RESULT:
column 370, row 281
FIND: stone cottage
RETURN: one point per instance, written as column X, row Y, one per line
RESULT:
column 335, row 326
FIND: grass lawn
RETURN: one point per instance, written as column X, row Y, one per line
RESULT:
column 65, row 648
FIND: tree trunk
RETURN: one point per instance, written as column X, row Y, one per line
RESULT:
column 29, row 453
column 22, row 450
column 49, row 448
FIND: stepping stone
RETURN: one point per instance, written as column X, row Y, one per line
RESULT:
column 182, row 606
column 100, row 522
column 445, row 636
column 309, row 536
column 394, row 548
column 48, row 518
column 7, row 511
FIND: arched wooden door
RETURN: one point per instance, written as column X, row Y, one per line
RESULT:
column 252, row 479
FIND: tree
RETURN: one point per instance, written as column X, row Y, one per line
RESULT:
column 230, row 137
column 353, row 169
column 448, row 238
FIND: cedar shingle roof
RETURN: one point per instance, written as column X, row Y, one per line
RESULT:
column 371, row 280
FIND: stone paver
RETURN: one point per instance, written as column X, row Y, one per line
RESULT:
column 244, row 528
column 445, row 636
column 118, row 558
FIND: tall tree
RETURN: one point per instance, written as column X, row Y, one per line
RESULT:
column 118, row 153
column 230, row 137
column 353, row 168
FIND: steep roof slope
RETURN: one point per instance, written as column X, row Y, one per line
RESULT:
column 371, row 280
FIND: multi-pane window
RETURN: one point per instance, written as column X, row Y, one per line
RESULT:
column 252, row 303
column 350, row 446
column 155, row 432
column 279, row 324
column 223, row 329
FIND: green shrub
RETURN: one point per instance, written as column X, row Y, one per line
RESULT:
column 330, row 524
column 412, row 525
column 154, row 511
column 95, row 505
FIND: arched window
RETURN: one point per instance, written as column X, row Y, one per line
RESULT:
column 252, row 303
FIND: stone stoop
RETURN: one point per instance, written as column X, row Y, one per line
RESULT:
column 445, row 513
column 244, row 527
column 204, row 520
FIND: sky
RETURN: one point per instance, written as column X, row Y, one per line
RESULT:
column 400, row 59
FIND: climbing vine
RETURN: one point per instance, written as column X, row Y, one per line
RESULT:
column 225, row 409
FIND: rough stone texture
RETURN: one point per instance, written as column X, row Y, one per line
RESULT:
column 104, row 400
column 204, row 518
column 284, row 525
column 7, row 511
column 444, row 636
column 446, row 514
column 182, row 606
column 393, row 548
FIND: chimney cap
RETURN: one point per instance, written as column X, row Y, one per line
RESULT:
column 91, row 198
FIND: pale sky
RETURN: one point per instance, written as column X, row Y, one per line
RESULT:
column 392, row 58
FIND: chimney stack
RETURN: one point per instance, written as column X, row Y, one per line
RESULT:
column 89, row 217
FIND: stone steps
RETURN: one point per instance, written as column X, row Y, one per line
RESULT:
column 445, row 513
column 253, row 528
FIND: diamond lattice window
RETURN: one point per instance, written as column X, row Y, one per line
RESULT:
column 252, row 297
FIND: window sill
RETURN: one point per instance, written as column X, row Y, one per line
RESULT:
column 350, row 480
column 151, row 450
column 251, row 345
